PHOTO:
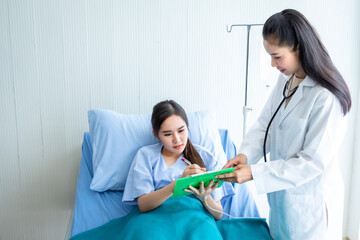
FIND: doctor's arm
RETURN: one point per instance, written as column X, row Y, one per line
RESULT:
column 242, row 172
column 251, row 149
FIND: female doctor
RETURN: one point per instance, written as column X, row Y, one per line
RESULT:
column 301, row 125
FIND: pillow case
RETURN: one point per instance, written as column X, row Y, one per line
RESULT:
column 115, row 139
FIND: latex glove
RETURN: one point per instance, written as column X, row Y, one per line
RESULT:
column 203, row 192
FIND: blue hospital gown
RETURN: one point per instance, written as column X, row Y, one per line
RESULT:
column 149, row 172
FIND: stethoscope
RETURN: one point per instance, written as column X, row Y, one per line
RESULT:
column 292, row 92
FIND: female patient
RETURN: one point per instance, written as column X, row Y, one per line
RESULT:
column 155, row 168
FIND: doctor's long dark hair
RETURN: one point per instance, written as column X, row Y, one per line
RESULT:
column 290, row 28
column 161, row 112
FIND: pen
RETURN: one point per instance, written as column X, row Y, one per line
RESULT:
column 186, row 161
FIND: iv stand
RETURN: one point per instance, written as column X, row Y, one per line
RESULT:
column 246, row 108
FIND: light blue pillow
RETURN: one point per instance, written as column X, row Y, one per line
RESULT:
column 116, row 138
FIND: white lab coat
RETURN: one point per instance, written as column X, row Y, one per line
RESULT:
column 302, row 179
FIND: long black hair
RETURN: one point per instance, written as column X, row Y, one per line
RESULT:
column 161, row 112
column 290, row 28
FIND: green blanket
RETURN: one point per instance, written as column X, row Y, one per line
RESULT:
column 178, row 218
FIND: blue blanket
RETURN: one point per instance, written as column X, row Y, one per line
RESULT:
column 178, row 218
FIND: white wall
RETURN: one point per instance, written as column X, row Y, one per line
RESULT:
column 58, row 59
column 353, row 229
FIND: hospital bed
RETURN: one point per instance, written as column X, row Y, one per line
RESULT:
column 93, row 208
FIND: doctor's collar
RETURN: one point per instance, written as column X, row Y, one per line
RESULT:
column 307, row 81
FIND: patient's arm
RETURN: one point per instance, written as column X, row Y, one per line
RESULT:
column 150, row 201
column 213, row 205
column 203, row 194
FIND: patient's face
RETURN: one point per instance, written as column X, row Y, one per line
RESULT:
column 173, row 134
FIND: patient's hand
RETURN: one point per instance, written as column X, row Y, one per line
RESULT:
column 192, row 169
column 203, row 192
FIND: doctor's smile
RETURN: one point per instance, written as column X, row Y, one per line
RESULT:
column 281, row 70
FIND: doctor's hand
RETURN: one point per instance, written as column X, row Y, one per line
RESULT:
column 192, row 169
column 239, row 159
column 203, row 192
column 242, row 173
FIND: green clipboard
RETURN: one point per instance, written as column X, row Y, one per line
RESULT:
column 194, row 180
